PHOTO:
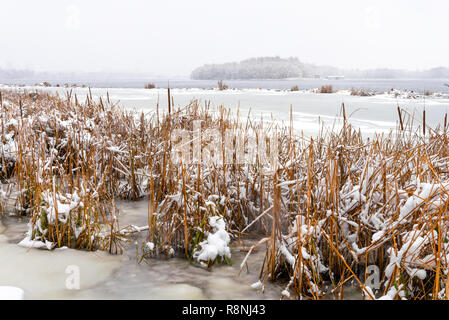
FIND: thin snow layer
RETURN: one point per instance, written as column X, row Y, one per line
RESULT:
column 216, row 244
column 37, row 244
column 11, row 293
column 43, row 274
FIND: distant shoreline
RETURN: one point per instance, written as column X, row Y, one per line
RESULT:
column 392, row 92
column 283, row 84
column 285, row 68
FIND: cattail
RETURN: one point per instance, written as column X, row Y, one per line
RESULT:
column 400, row 118
column 169, row 100
column 445, row 121
column 424, row 122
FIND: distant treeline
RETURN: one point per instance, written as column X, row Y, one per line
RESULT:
column 256, row 68
column 279, row 68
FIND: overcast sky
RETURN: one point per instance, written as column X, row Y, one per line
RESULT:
column 173, row 37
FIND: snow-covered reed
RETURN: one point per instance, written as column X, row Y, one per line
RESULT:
column 65, row 162
column 371, row 213
column 333, row 209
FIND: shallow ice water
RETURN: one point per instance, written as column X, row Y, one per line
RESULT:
column 42, row 274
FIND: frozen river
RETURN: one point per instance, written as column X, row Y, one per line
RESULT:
column 370, row 114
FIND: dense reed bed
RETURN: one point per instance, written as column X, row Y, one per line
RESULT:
column 332, row 210
column 366, row 212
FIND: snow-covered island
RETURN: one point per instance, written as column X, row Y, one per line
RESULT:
column 285, row 68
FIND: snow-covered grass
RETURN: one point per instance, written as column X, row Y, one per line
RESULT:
column 63, row 163
column 66, row 162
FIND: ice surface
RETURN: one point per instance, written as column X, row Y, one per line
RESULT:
column 42, row 273
column 11, row 293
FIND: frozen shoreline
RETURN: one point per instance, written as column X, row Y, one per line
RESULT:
column 377, row 113
column 392, row 92
column 41, row 274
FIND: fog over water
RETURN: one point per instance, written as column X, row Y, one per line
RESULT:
column 171, row 38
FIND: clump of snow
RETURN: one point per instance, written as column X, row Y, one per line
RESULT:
column 393, row 292
column 257, row 285
column 368, row 293
column 63, row 206
column 11, row 293
column 37, row 244
column 216, row 244
column 149, row 246
column 378, row 235
column 285, row 293
column 288, row 256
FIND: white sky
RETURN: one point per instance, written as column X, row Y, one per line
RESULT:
column 175, row 36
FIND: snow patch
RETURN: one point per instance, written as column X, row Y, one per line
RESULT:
column 11, row 293
column 216, row 244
